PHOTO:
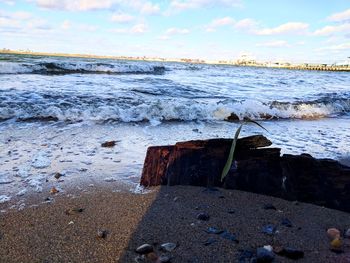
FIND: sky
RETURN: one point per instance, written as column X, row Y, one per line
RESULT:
column 265, row 30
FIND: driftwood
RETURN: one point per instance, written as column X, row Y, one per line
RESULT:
column 260, row 170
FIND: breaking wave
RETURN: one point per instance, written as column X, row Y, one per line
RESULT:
column 57, row 68
column 27, row 106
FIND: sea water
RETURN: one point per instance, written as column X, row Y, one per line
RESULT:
column 55, row 112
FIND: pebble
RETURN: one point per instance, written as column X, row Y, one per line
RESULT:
column 140, row 259
column 347, row 233
column 336, row 244
column 210, row 241
column 144, row 249
column 168, row 247
column 286, row 222
column 291, row 253
column 101, row 233
column 231, row 211
column 229, row 236
column 333, row 233
column 58, row 175
column 175, row 199
column 264, row 255
column 74, row 210
column 213, row 230
column 269, row 229
column 108, row 144
column 163, row 259
column 53, row 190
column 203, row 216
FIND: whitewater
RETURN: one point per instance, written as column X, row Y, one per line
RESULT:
column 55, row 112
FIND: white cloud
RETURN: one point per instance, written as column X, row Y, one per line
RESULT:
column 122, row 18
column 338, row 47
column 330, row 30
column 177, row 31
column 75, row 5
column 219, row 22
column 149, row 9
column 246, row 23
column 180, row 5
column 339, row 17
column 173, row 31
column 287, row 28
column 139, row 29
column 142, row 6
column 277, row 43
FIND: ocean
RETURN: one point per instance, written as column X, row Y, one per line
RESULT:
column 56, row 111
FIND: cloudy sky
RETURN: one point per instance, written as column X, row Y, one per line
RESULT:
column 289, row 30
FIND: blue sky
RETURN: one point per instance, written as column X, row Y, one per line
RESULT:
column 266, row 30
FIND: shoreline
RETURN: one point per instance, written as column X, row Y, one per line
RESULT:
column 289, row 66
column 48, row 233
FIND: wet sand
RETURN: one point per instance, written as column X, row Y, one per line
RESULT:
column 57, row 232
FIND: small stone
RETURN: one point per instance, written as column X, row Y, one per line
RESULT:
column 163, row 259
column 75, row 210
column 144, row 249
column 231, row 211
column 140, row 259
column 58, row 175
column 333, row 233
column 347, row 233
column 101, row 233
column 286, row 222
column 264, row 255
column 53, row 190
column 109, row 144
column 336, row 244
column 203, row 216
column 269, row 207
column 168, row 247
column 210, row 241
column 175, row 199
column 229, row 236
column 292, row 253
column 213, row 230
column 269, row 229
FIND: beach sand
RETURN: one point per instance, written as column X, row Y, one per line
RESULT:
column 57, row 232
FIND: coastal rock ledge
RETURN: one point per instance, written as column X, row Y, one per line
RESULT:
column 256, row 169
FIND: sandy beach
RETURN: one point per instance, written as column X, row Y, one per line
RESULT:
column 67, row 228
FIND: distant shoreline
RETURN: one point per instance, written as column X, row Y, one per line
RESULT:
column 304, row 66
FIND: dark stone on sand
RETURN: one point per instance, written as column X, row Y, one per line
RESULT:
column 108, row 144
column 213, row 230
column 269, row 207
column 286, row 222
column 102, row 233
column 269, row 229
column 203, row 216
column 163, row 259
column 347, row 233
column 58, row 175
column 289, row 252
column 232, row 118
column 168, row 247
column 231, row 211
column 264, row 256
column 259, row 170
column 144, row 249
column 210, row 241
column 74, row 210
column 229, row 236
